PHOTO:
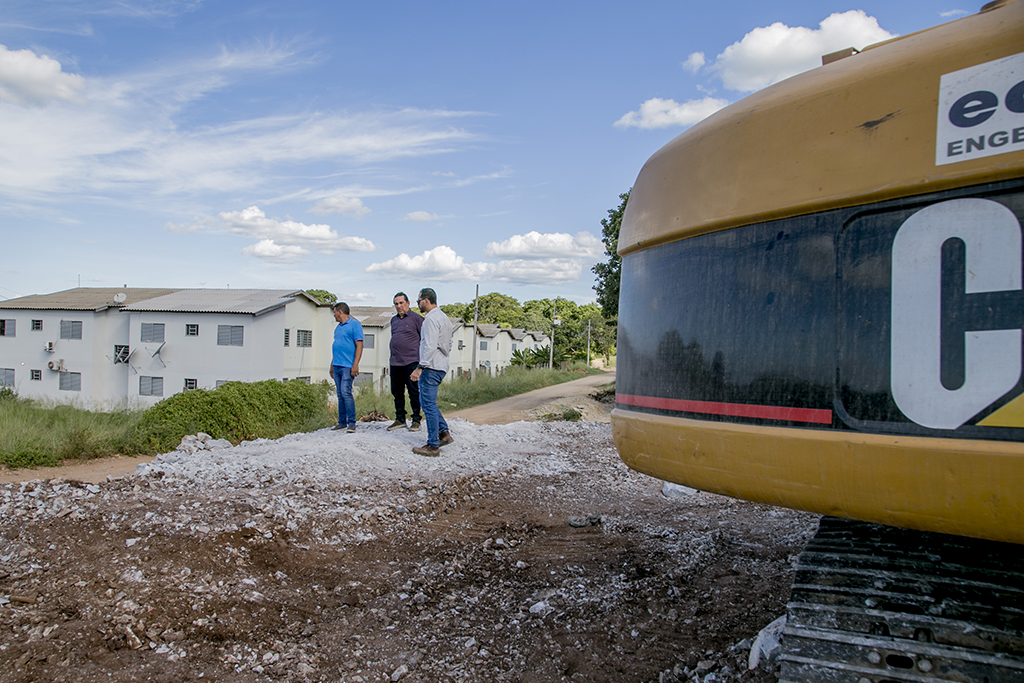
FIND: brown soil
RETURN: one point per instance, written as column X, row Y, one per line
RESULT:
column 466, row 577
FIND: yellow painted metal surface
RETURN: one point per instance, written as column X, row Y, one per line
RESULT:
column 968, row 488
column 858, row 130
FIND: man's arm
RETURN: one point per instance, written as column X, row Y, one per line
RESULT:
column 359, row 354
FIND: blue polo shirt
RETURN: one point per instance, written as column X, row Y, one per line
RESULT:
column 346, row 335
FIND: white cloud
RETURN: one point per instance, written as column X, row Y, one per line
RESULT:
column 134, row 134
column 440, row 263
column 536, row 245
column 953, row 13
column 694, row 62
column 769, row 54
column 268, row 250
column 504, row 173
column 30, row 79
column 361, row 297
column 555, row 271
column 421, row 216
column 341, row 204
column 253, row 222
column 659, row 113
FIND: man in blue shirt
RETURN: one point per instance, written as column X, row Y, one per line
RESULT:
column 348, row 349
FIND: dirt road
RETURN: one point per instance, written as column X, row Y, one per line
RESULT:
column 525, row 406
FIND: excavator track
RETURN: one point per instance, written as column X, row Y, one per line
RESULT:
column 877, row 604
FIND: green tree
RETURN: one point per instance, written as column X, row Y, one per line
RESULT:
column 608, row 273
column 323, row 296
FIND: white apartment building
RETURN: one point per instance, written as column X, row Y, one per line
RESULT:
column 103, row 347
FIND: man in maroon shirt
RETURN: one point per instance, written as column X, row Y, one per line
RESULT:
column 405, row 357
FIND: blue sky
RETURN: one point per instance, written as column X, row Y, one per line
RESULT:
column 366, row 148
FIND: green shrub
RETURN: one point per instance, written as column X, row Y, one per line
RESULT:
column 235, row 411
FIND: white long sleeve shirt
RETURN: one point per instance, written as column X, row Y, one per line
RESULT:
column 435, row 340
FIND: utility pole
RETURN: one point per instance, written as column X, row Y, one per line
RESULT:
column 588, row 343
column 554, row 321
column 476, row 315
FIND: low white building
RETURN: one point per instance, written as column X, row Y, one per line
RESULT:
column 105, row 347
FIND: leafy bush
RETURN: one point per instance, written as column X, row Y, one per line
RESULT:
column 235, row 411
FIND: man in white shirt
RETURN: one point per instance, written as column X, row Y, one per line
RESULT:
column 435, row 345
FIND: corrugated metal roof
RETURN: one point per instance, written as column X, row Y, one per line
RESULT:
column 250, row 301
column 372, row 316
column 85, row 298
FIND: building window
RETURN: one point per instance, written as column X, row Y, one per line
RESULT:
column 461, row 345
column 191, row 329
column 151, row 386
column 220, row 382
column 70, row 381
column 513, row 346
column 37, row 375
column 497, row 346
column 7, row 327
column 287, row 336
column 121, row 353
column 367, row 341
column 37, row 325
column 362, row 379
column 152, row 333
column 6, row 377
column 191, row 384
column 70, row 329
column 304, row 378
column 229, row 335
column 303, row 337
column 483, row 346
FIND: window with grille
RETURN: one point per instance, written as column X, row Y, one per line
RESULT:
column 304, row 378
column 37, row 325
column 220, row 382
column 303, row 337
column 7, row 327
column 191, row 329
column 151, row 386
column 483, row 346
column 70, row 329
column 37, row 375
column 367, row 341
column 287, row 336
column 191, row 384
column 121, row 353
column 70, row 381
column 229, row 335
column 153, row 333
column 6, row 377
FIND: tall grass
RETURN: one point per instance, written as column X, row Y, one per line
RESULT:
column 33, row 435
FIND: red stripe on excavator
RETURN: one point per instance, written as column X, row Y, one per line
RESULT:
column 732, row 409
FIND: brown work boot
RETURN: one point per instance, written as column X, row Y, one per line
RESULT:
column 427, row 450
column 445, row 438
column 397, row 424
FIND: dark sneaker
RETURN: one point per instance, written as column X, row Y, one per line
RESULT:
column 445, row 438
column 337, row 428
column 427, row 450
column 415, row 426
column 351, row 429
column 397, row 424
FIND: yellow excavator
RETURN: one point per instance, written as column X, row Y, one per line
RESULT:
column 821, row 308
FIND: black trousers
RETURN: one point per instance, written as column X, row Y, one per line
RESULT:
column 399, row 383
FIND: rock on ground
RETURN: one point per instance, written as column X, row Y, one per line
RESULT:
column 344, row 557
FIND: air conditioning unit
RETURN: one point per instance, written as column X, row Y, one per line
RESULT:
column 48, row 347
column 56, row 365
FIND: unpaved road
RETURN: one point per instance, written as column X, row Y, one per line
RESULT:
column 525, row 406
column 346, row 558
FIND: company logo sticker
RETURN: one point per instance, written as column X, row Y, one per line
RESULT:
column 981, row 111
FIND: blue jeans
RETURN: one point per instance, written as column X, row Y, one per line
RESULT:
column 430, row 380
column 346, row 401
